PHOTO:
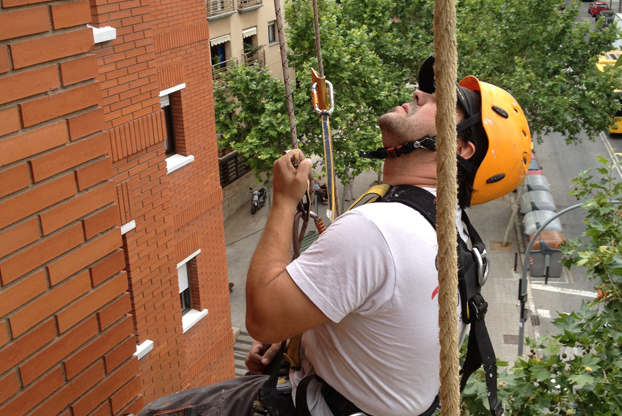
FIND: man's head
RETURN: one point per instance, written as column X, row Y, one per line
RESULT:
column 484, row 112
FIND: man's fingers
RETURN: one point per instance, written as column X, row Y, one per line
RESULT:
column 305, row 167
column 270, row 354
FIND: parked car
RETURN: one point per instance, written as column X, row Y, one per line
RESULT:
column 534, row 166
column 597, row 7
column 609, row 16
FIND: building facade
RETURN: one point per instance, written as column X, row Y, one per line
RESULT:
column 113, row 279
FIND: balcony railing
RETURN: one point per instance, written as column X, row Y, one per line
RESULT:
column 258, row 57
column 217, row 7
column 244, row 4
column 232, row 167
column 221, row 68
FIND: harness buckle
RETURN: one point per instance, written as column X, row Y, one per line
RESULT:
column 479, row 306
column 483, row 265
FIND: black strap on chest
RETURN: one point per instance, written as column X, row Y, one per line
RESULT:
column 472, row 273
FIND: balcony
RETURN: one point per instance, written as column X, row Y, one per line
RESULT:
column 248, row 5
column 258, row 58
column 231, row 166
column 217, row 9
column 220, row 69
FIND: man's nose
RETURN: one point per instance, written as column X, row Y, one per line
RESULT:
column 420, row 97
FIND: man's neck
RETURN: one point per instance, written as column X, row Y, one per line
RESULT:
column 412, row 169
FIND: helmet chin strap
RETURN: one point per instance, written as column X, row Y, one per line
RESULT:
column 428, row 142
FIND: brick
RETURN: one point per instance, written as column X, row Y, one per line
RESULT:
column 118, row 355
column 86, row 124
column 128, row 393
column 98, row 347
column 5, row 65
column 107, row 267
column 17, row 237
column 36, row 51
column 71, row 14
column 103, row 410
column 100, row 222
column 58, row 350
column 13, row 3
column 36, row 199
column 105, row 389
column 46, row 305
column 83, row 256
column 69, row 156
column 29, row 83
column 135, row 407
column 21, row 293
column 4, row 334
column 9, row 385
column 91, row 302
column 24, row 22
column 71, row 391
column 9, row 118
column 26, row 345
column 31, row 143
column 114, row 312
column 94, row 173
column 40, row 253
column 46, row 108
column 34, row 395
column 14, row 179
column 80, row 69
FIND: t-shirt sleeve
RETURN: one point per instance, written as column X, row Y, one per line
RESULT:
column 349, row 269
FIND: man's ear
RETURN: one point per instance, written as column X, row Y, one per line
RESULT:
column 465, row 149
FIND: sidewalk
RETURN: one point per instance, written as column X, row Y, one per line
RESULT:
column 243, row 231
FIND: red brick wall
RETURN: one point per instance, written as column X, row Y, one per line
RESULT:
column 159, row 45
column 66, row 335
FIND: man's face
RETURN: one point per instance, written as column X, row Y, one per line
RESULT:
column 411, row 121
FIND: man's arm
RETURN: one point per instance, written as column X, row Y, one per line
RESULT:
column 276, row 308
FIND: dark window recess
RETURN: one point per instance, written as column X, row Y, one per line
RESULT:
column 271, row 32
column 232, row 166
column 185, row 298
column 169, row 140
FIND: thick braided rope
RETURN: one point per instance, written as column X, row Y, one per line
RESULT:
column 288, row 88
column 445, row 71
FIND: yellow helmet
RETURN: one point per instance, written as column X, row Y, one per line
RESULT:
column 506, row 161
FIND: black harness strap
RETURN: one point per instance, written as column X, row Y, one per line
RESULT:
column 428, row 142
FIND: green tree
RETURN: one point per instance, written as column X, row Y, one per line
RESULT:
column 545, row 58
column 251, row 115
column 579, row 371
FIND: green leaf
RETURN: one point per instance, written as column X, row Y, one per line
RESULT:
column 582, row 379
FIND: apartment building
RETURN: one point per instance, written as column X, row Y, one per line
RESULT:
column 113, row 279
column 242, row 31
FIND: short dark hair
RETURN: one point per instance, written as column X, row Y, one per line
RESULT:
column 465, row 179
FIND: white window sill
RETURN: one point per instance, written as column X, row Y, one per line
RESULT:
column 103, row 34
column 172, row 89
column 187, row 259
column 143, row 349
column 177, row 161
column 128, row 227
column 276, row 42
column 191, row 318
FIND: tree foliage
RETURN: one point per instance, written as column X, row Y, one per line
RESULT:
column 579, row 371
column 371, row 49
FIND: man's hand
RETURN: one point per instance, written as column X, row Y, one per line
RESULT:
column 260, row 355
column 290, row 183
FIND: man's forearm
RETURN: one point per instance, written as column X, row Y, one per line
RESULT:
column 272, row 254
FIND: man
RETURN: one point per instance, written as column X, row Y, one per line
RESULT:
column 364, row 294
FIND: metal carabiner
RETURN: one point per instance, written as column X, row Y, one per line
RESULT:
column 315, row 99
column 482, row 265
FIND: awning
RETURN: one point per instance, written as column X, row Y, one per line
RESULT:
column 219, row 40
column 249, row 32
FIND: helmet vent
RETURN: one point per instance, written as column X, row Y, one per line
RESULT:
column 524, row 134
column 495, row 178
column 500, row 111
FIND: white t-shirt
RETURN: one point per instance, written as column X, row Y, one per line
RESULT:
column 373, row 273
